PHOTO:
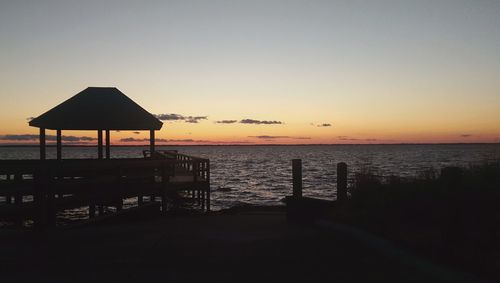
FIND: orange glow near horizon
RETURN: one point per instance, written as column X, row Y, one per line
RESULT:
column 210, row 133
column 385, row 72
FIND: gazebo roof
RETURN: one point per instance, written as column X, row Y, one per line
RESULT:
column 97, row 108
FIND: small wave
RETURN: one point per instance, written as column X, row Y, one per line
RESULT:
column 224, row 189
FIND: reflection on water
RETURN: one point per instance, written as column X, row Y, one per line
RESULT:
column 262, row 174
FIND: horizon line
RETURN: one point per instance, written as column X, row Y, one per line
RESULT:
column 256, row 144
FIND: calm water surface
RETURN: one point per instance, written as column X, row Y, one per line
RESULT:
column 262, row 174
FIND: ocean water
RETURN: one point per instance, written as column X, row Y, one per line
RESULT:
column 261, row 175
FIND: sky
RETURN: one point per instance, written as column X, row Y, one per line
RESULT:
column 287, row 72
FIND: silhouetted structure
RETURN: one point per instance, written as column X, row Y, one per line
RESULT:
column 38, row 189
column 100, row 109
column 306, row 209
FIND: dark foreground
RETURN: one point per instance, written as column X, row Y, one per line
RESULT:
column 245, row 246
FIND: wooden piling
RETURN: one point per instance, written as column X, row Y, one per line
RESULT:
column 59, row 144
column 42, row 144
column 91, row 210
column 99, row 144
column 341, row 181
column 297, row 177
column 163, row 192
column 18, row 197
column 40, row 198
column 51, row 202
column 152, row 141
column 108, row 145
column 119, row 205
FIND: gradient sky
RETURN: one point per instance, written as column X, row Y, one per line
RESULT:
column 377, row 71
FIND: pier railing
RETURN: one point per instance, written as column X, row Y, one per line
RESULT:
column 36, row 189
column 198, row 167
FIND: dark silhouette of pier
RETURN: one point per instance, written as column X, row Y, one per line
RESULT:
column 36, row 190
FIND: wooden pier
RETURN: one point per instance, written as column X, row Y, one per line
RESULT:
column 37, row 189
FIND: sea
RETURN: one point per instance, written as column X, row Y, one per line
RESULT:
column 262, row 175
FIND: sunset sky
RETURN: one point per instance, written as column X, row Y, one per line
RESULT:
column 295, row 71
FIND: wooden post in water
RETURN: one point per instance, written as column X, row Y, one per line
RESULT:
column 59, row 144
column 119, row 204
column 50, row 199
column 91, row 210
column 18, row 196
column 341, row 181
column 152, row 142
column 163, row 191
column 40, row 198
column 99, row 144
column 42, row 143
column 107, row 145
column 297, row 177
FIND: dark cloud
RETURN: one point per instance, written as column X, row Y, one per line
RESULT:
column 259, row 122
column 465, row 135
column 169, row 117
column 161, row 140
column 29, row 137
column 19, row 137
column 346, row 138
column 266, row 137
column 194, row 119
column 189, row 140
column 72, row 138
column 325, row 125
column 131, row 139
column 226, row 121
column 136, row 133
column 178, row 117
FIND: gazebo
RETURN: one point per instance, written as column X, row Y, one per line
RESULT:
column 57, row 185
column 101, row 109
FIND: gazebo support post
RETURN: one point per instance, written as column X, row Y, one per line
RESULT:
column 152, row 142
column 107, row 145
column 99, row 144
column 42, row 143
column 59, row 144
